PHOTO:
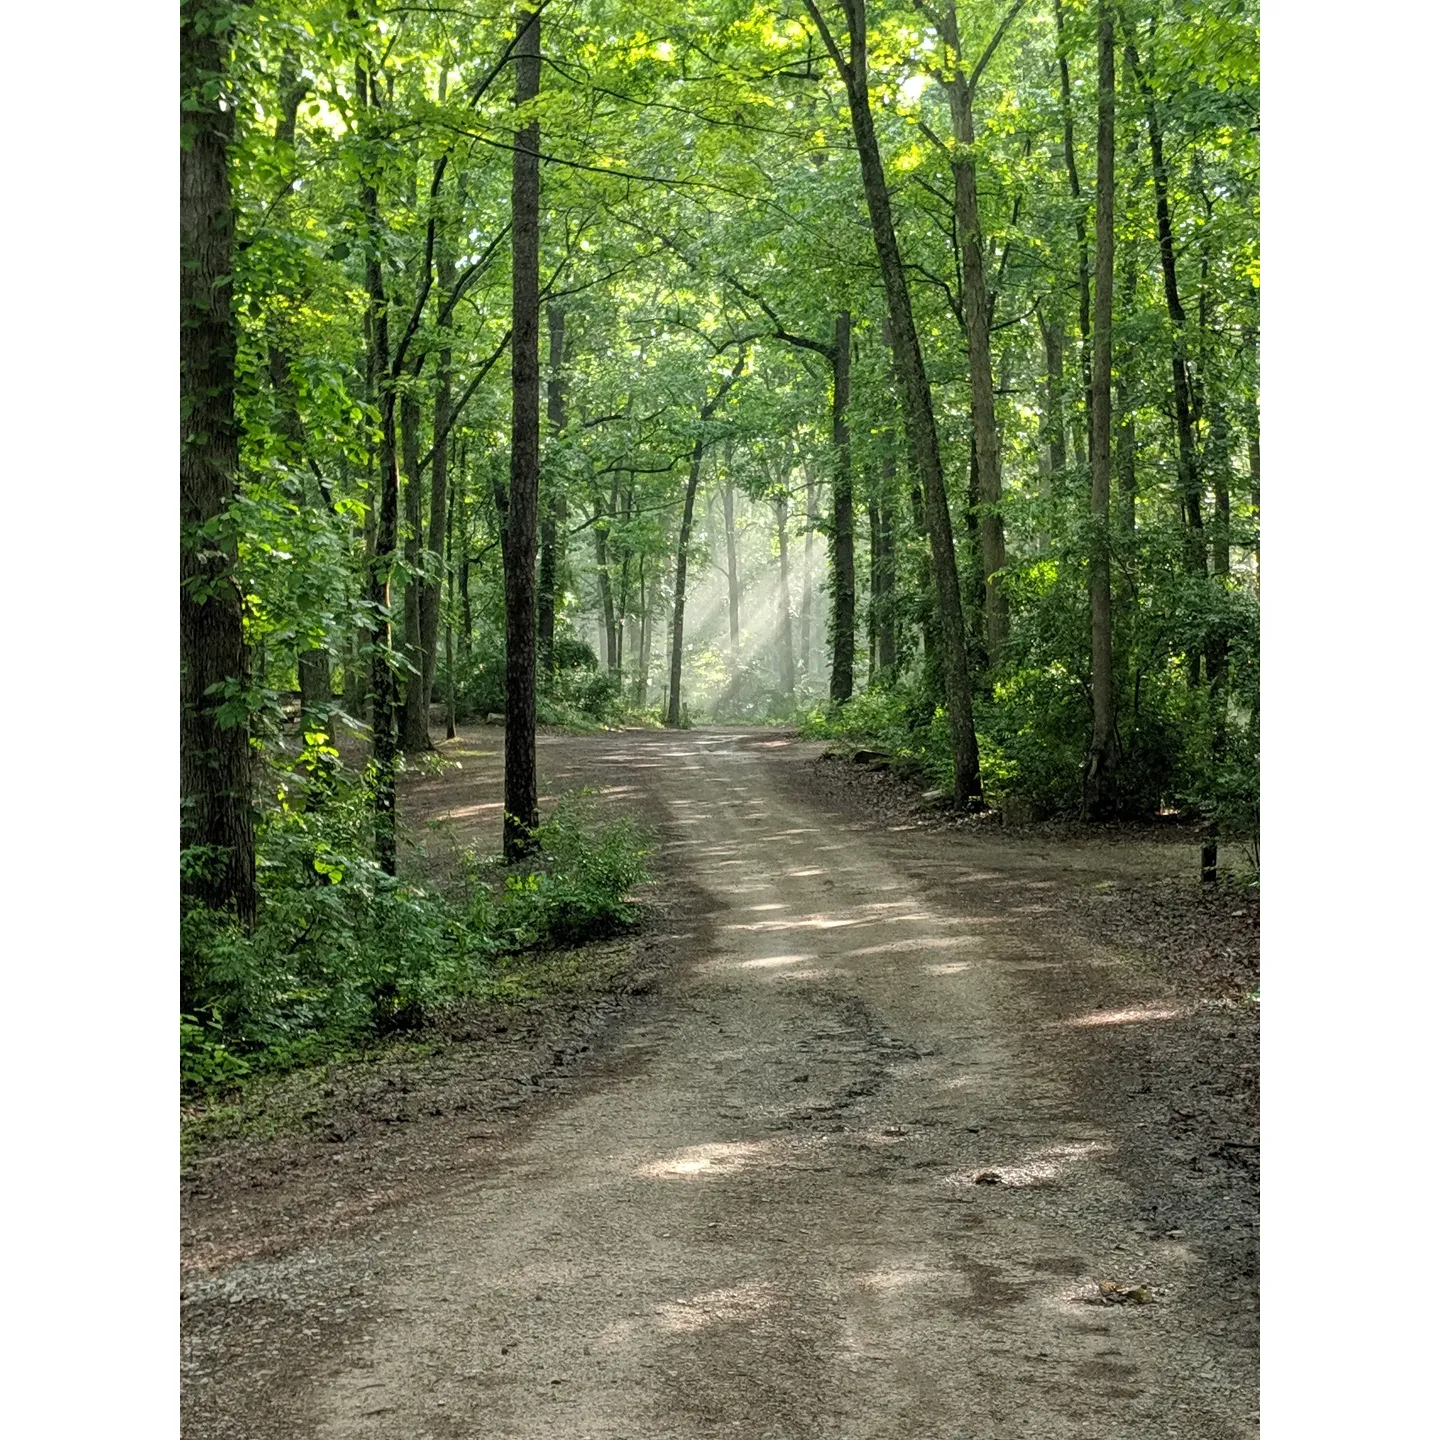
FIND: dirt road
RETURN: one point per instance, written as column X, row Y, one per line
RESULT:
column 759, row 1214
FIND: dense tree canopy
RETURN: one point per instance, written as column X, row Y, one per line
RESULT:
column 895, row 365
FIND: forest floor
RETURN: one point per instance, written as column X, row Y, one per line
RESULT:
column 885, row 1125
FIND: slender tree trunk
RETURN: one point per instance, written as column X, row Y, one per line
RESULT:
column 313, row 668
column 807, row 582
column 915, row 387
column 642, row 672
column 216, row 818
column 975, row 589
column 677, row 630
column 436, row 540
column 1253, row 454
column 732, row 569
column 1220, row 483
column 842, row 535
column 601, row 531
column 885, row 568
column 976, row 302
column 1072, row 172
column 415, row 709
column 786, row 632
column 872, row 609
column 622, row 605
column 1188, row 468
column 383, row 696
column 1100, row 766
column 553, row 522
column 522, row 812
column 467, row 615
column 450, row 620
column 312, row 662
column 1052, row 454
column 1125, row 417
column 682, row 553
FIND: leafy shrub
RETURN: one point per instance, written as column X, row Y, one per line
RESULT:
column 342, row 952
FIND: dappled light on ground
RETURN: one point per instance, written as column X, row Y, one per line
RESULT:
column 1037, row 1167
column 768, row 962
column 719, row 1158
column 1135, row 1015
column 713, row 1307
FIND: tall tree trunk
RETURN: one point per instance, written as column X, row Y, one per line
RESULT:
column 842, row 534
column 807, row 580
column 622, row 605
column 1100, row 765
column 553, row 521
column 467, row 615
column 313, row 666
column 915, row 387
column 677, row 628
column 682, row 552
column 522, row 811
column 885, row 568
column 976, row 301
column 642, row 671
column 601, row 531
column 1219, row 445
column 732, row 569
column 1187, row 466
column 216, row 819
column 1082, row 250
column 872, row 609
column 383, row 697
column 415, row 708
column 1052, row 456
column 437, row 538
column 450, row 621
column 1125, row 416
column 786, row 631
column 312, row 662
column 1252, row 451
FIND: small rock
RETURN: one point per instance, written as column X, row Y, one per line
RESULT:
column 1174, row 1234
column 1113, row 1294
column 988, row 1177
column 800, row 1080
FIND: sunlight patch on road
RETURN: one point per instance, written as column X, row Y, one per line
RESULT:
column 896, row 1279
column 720, row 1158
column 811, row 922
column 1038, row 1166
column 465, row 812
column 923, row 942
column 775, row 905
column 953, row 968
column 803, row 874
column 1135, row 1015
column 714, row 1307
column 769, row 962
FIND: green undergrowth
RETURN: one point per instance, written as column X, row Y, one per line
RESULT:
column 342, row 955
column 1033, row 729
column 273, row 1102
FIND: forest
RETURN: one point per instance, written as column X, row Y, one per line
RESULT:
column 887, row 371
